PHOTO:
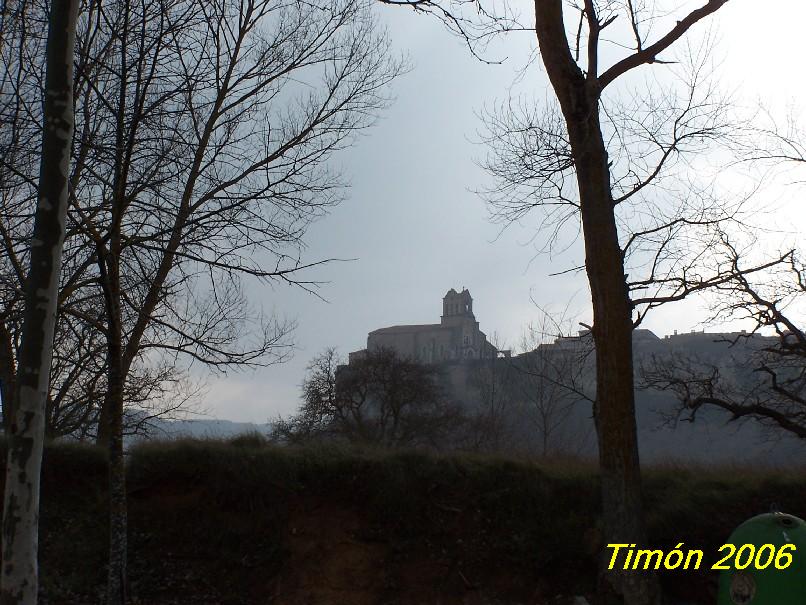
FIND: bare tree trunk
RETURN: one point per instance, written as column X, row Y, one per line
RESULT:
column 622, row 507
column 619, row 466
column 26, row 433
column 117, row 584
column 112, row 412
column 8, row 373
column 103, row 433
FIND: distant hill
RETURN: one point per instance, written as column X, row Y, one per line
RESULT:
column 201, row 428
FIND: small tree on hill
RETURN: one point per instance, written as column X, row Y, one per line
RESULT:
column 379, row 399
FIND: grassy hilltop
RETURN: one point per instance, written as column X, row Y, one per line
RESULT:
column 239, row 521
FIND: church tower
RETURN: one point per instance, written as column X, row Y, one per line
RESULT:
column 456, row 338
column 457, row 315
column 457, row 304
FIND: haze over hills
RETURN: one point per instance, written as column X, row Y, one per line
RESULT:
column 550, row 388
column 712, row 439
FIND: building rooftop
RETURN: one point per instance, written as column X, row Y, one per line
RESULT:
column 407, row 328
column 644, row 334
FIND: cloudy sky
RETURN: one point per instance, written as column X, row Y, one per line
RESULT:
column 415, row 228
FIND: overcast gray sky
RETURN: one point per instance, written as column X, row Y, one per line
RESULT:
column 416, row 229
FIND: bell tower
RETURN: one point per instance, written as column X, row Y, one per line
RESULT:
column 457, row 304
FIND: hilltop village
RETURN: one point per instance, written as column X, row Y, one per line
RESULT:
column 544, row 396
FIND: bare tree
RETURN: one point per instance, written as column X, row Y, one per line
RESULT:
column 554, row 377
column 765, row 379
column 602, row 158
column 524, row 404
column 243, row 172
column 606, row 163
column 379, row 399
column 490, row 404
column 26, row 431
column 204, row 133
column 78, row 371
column 315, row 419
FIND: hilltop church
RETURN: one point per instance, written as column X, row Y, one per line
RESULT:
column 457, row 337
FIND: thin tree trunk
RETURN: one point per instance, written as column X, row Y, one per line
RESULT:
column 8, row 373
column 109, row 265
column 102, row 435
column 117, row 585
column 26, row 432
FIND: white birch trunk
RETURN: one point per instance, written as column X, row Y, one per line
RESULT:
column 26, row 431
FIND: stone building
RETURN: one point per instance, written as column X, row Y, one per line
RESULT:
column 457, row 337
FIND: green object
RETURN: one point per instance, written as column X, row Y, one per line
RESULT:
column 771, row 585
